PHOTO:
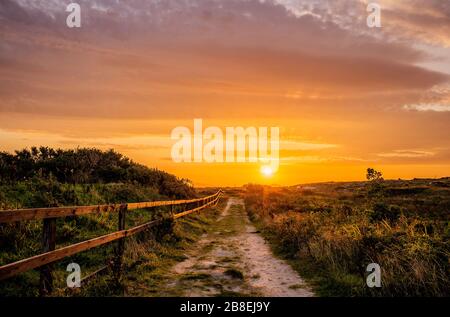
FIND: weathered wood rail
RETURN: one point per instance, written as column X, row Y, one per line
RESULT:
column 49, row 216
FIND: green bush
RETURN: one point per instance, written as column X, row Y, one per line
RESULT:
column 86, row 166
column 46, row 177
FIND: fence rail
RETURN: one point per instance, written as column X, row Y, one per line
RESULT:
column 7, row 216
column 49, row 216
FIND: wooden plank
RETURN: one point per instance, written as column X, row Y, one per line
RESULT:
column 24, row 265
column 185, row 213
column 8, row 216
column 132, row 206
column 36, row 261
column 90, row 276
column 103, row 269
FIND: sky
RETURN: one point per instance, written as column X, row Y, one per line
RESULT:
column 345, row 96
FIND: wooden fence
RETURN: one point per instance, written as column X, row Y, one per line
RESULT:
column 49, row 215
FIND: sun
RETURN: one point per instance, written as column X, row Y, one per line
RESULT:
column 266, row 171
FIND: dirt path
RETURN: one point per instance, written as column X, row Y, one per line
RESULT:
column 233, row 260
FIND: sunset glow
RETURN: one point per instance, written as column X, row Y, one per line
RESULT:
column 266, row 171
column 345, row 97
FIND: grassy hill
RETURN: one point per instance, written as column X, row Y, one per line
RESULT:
column 330, row 232
column 45, row 177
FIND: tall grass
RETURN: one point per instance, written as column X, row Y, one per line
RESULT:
column 23, row 239
column 332, row 240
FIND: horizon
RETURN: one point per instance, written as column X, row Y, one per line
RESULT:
column 344, row 96
column 362, row 179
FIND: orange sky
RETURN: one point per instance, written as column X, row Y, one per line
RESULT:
column 345, row 97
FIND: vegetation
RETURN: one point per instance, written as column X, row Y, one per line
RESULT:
column 86, row 166
column 330, row 232
column 46, row 177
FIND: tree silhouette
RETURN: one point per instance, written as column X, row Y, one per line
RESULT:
column 374, row 175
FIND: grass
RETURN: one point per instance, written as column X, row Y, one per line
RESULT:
column 331, row 232
column 148, row 256
column 150, row 276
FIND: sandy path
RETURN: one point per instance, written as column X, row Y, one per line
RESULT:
column 234, row 260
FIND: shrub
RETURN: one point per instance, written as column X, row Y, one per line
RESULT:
column 383, row 212
column 87, row 166
column 334, row 245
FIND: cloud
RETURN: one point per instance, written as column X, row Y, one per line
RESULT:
column 159, row 59
column 317, row 159
column 291, row 145
column 428, row 107
column 407, row 154
column 140, row 67
column 426, row 21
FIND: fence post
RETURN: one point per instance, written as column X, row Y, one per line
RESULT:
column 120, row 248
column 48, row 244
column 216, row 199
